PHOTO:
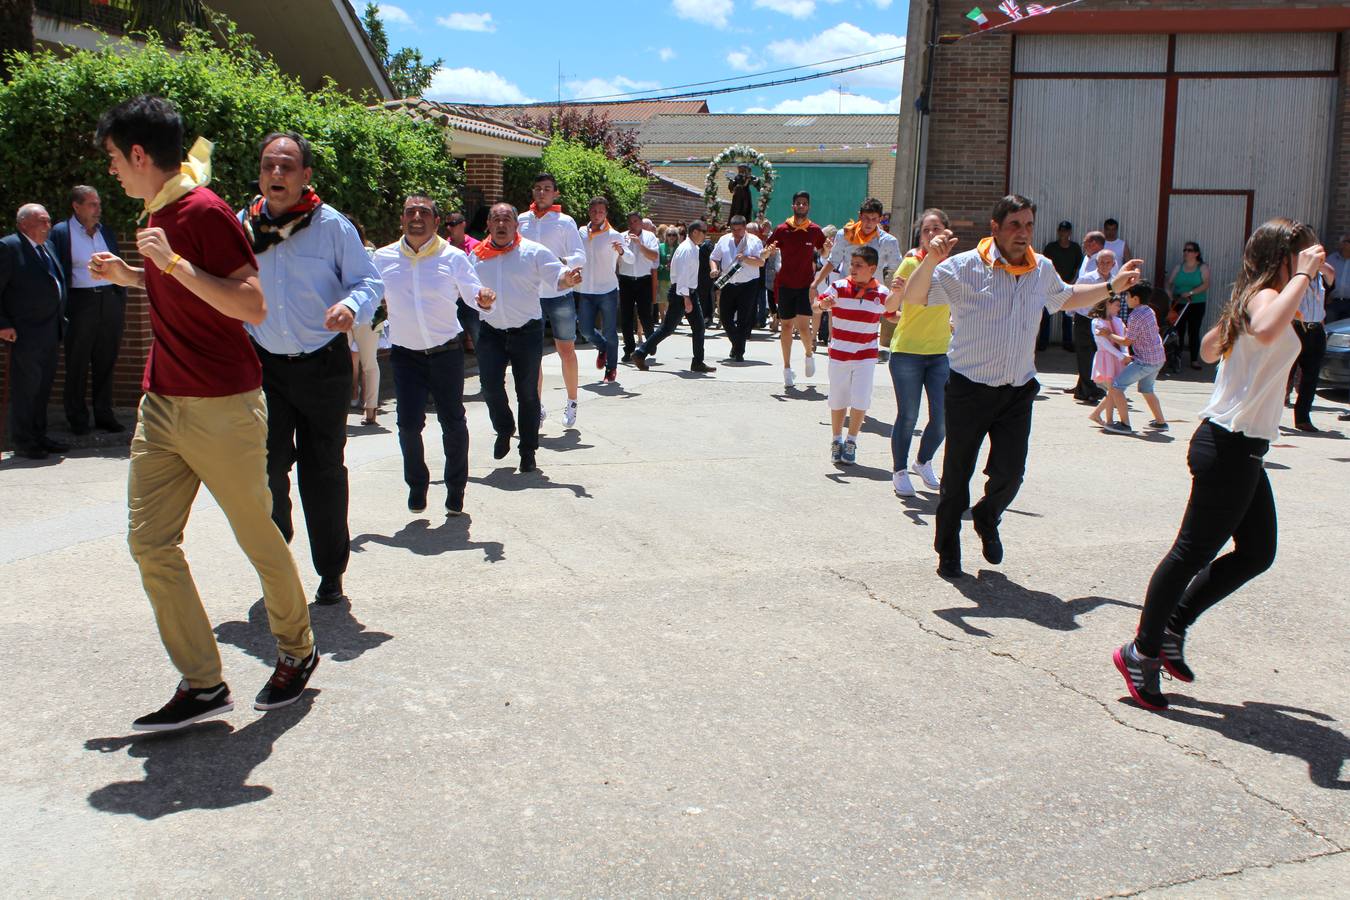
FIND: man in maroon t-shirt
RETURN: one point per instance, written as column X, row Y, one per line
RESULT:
column 797, row 239
column 202, row 419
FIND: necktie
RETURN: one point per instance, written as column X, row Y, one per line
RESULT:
column 50, row 264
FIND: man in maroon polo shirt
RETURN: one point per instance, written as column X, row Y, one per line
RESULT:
column 202, row 419
column 797, row 240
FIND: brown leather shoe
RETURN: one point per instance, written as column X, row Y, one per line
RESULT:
column 702, row 367
column 640, row 360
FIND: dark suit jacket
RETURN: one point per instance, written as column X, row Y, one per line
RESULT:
column 61, row 241
column 29, row 297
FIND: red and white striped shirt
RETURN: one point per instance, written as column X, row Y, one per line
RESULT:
column 855, row 318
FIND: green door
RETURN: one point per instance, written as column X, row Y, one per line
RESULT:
column 837, row 190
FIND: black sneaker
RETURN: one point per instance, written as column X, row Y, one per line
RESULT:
column 417, row 500
column 287, row 682
column 188, row 706
column 1141, row 674
column 454, row 505
column 1173, row 656
column 502, row 445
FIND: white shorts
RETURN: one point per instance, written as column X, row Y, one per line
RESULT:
column 851, row 383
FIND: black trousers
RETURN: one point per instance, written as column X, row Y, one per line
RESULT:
column 307, row 428
column 635, row 303
column 974, row 411
column 1230, row 498
column 523, row 350
column 93, row 337
column 674, row 313
column 440, row 375
column 1084, row 349
column 703, row 296
column 1195, row 322
column 1309, row 365
column 32, row 368
column 738, row 313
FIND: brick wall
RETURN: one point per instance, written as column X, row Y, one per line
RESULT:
column 483, row 175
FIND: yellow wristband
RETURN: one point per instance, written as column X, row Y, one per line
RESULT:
column 173, row 262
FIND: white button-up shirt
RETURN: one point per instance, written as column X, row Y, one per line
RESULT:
column 635, row 265
column 728, row 248
column 995, row 316
column 684, row 268
column 598, row 273
column 887, row 246
column 82, row 247
column 558, row 232
column 420, row 291
column 515, row 277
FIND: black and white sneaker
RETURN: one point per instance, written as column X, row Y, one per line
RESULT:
column 1173, row 653
column 188, row 706
column 1142, row 677
column 287, row 682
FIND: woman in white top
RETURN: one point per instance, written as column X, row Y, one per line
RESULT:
column 1230, row 494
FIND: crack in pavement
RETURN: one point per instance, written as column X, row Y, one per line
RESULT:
column 1188, row 749
column 1214, row 876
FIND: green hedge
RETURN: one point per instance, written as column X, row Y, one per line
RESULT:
column 582, row 173
column 365, row 161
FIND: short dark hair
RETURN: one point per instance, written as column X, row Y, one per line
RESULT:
column 418, row 195
column 1111, row 222
column 514, row 211
column 598, row 199
column 1011, row 204
column 455, row 218
column 635, row 215
column 869, row 255
column 147, row 121
column 545, row 176
column 80, row 191
column 871, row 205
column 737, row 220
column 806, row 194
column 697, row 225
column 306, row 151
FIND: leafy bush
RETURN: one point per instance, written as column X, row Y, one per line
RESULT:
column 582, row 173
column 364, row 161
column 593, row 129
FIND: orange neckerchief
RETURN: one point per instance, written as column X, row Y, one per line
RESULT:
column 487, row 250
column 870, row 286
column 792, row 223
column 854, row 234
column 539, row 215
column 986, row 248
column 592, row 232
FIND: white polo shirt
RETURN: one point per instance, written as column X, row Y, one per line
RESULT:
column 515, row 277
column 728, row 248
column 420, row 290
column 558, row 232
column 599, row 274
column 640, row 265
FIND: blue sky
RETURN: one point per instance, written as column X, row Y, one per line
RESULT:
column 511, row 54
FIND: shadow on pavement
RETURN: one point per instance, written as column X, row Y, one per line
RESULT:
column 796, row 393
column 337, row 633
column 875, row 426
column 1286, row 730
column 846, row 473
column 419, row 537
column 997, row 597
column 505, row 478
column 610, row 389
column 205, row 766
column 920, row 505
column 568, row 440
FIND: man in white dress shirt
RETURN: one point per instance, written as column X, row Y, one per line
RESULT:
column 1084, row 390
column 635, row 282
column 599, row 290
column 683, row 302
column 737, row 307
column 1338, row 302
column 424, row 280
column 512, row 333
column 545, row 223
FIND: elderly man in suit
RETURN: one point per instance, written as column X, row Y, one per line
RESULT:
column 95, row 310
column 32, row 308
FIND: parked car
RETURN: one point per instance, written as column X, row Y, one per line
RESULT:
column 1336, row 364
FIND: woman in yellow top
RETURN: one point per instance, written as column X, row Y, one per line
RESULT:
column 919, row 364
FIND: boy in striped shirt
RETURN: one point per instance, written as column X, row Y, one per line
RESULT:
column 856, row 305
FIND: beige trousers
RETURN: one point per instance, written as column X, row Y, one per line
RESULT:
column 180, row 444
column 368, row 345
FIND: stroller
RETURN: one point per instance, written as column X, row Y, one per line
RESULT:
column 1173, row 323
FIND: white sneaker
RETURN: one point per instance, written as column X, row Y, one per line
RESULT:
column 570, row 414
column 788, row 378
column 925, row 471
column 811, row 367
column 903, row 488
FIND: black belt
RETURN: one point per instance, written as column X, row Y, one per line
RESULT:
column 533, row 323
column 296, row 357
column 453, row 344
column 93, row 290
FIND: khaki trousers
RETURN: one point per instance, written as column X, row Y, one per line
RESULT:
column 180, row 444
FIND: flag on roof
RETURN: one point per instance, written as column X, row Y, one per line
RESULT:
column 977, row 16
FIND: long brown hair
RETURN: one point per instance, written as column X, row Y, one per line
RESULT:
column 1272, row 245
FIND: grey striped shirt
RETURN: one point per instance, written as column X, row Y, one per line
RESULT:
column 995, row 316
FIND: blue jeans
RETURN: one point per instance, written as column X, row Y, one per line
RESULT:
column 561, row 313
column 913, row 375
column 442, row 376
column 608, row 307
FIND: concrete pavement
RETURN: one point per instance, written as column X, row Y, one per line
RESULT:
column 690, row 656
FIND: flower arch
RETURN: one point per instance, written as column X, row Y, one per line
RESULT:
column 739, row 153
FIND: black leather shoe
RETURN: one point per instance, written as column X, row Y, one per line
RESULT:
column 454, row 506
column 417, row 500
column 52, row 446
column 1307, row 427
column 990, row 544
column 950, row 569
column 502, row 447
column 330, row 590
column 527, row 461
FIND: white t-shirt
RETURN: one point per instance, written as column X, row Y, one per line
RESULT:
column 1249, row 388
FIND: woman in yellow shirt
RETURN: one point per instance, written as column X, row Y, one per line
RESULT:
column 918, row 364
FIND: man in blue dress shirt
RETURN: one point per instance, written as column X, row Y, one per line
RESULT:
column 318, row 281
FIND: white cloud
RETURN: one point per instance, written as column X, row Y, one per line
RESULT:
column 605, row 87
column 468, row 21
column 882, row 4
column 846, row 39
column 797, row 9
column 830, row 102
column 394, row 15
column 716, row 13
column 666, row 54
column 467, row 85
column 742, row 61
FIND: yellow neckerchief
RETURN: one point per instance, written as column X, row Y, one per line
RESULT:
column 854, row 234
column 194, row 173
column 592, row 232
column 791, row 222
column 986, row 248
column 430, row 248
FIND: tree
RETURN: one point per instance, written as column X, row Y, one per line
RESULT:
column 408, row 73
column 591, row 129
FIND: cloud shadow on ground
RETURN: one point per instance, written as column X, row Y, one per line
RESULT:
column 998, row 597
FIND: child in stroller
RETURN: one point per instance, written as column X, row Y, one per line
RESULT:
column 1173, row 324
